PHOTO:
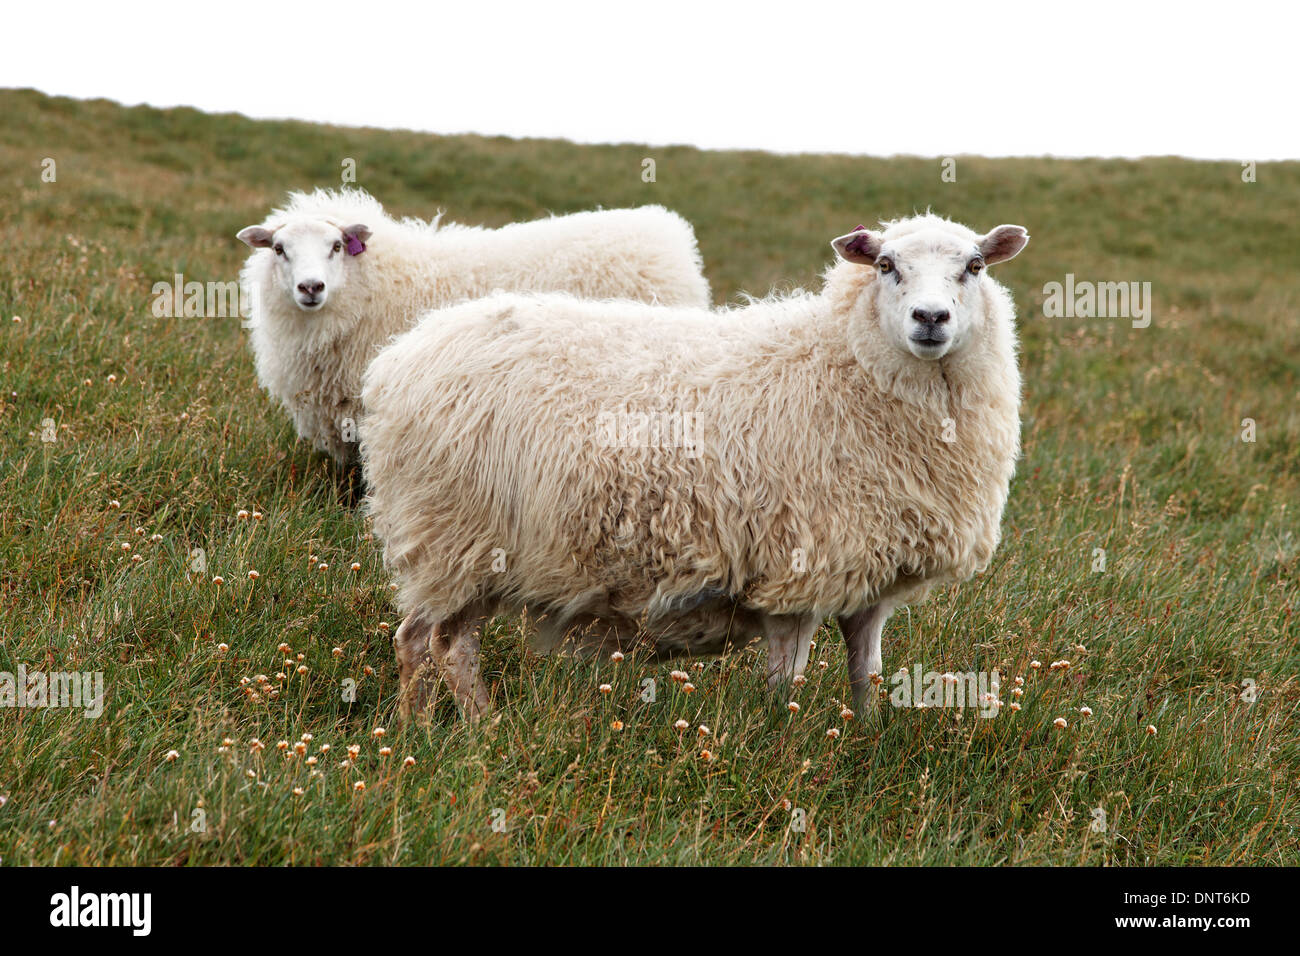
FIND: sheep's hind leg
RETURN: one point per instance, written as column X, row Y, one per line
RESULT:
column 429, row 650
column 789, row 637
column 455, row 648
column 416, row 668
column 862, row 640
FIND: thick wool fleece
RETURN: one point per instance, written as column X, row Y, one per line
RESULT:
column 313, row 362
column 821, row 481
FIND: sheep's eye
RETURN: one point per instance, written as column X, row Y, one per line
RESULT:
column 884, row 265
column 976, row 267
column 279, row 249
column 337, row 246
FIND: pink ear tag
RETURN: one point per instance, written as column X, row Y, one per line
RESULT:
column 355, row 246
column 859, row 228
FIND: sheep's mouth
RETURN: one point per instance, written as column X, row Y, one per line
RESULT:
column 310, row 303
column 928, row 345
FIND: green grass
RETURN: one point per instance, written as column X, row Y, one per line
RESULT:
column 1131, row 445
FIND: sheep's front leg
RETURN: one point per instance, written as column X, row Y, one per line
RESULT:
column 862, row 639
column 789, row 637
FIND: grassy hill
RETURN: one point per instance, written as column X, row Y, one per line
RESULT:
column 1132, row 444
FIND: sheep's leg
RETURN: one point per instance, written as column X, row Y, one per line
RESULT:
column 789, row 637
column 455, row 648
column 862, row 639
column 416, row 669
column 449, row 650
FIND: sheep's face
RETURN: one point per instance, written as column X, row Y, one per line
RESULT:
column 928, row 292
column 312, row 257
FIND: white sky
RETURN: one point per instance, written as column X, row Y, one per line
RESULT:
column 1100, row 78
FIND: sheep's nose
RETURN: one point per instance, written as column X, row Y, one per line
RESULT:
column 311, row 287
column 930, row 316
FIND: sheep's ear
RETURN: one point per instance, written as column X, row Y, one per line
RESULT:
column 1003, row 243
column 858, row 246
column 255, row 236
column 354, row 238
column 359, row 232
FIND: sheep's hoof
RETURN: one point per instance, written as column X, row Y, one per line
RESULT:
column 416, row 697
column 867, row 700
column 477, row 706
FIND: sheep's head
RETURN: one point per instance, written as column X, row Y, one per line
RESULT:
column 929, row 294
column 311, row 257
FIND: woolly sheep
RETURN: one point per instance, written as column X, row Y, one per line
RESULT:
column 851, row 450
column 333, row 277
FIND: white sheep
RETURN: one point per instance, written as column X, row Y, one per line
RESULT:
column 333, row 278
column 831, row 454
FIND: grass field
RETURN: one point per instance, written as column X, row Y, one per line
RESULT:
column 1132, row 444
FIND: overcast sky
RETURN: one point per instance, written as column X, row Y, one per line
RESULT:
column 1209, row 80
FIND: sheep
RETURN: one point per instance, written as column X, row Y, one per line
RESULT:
column 849, row 451
column 332, row 277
